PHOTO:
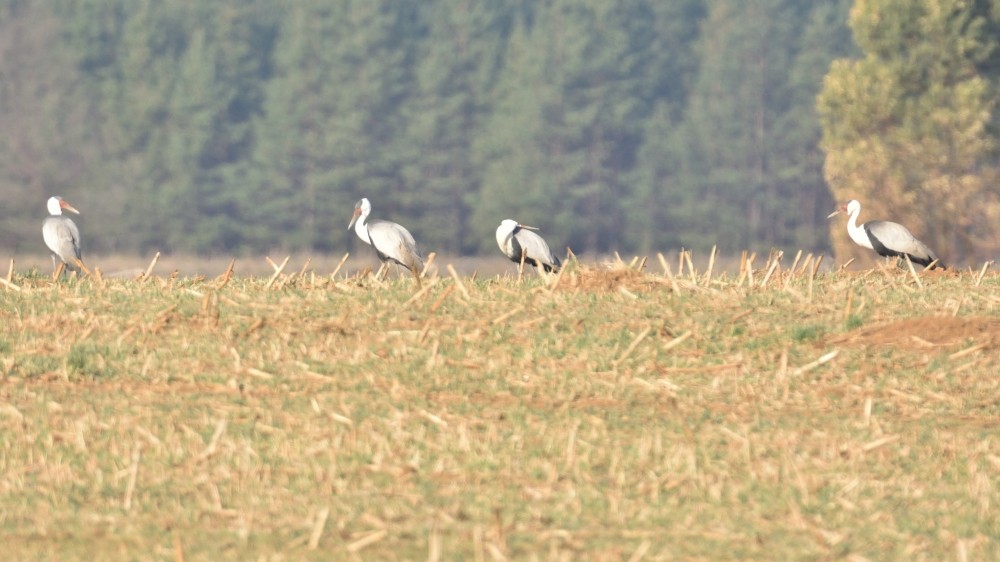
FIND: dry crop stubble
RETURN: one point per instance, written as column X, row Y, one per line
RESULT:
column 610, row 413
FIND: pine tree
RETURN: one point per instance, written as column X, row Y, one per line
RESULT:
column 517, row 181
column 739, row 186
column 45, row 144
column 458, row 61
column 566, row 124
column 668, row 81
column 331, row 129
column 907, row 128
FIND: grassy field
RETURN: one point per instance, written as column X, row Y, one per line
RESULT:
column 605, row 414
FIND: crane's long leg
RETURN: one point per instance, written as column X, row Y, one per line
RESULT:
column 520, row 267
column 413, row 265
column 83, row 267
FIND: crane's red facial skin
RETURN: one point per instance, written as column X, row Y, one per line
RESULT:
column 354, row 217
column 63, row 204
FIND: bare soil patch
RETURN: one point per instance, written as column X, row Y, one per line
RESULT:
column 918, row 333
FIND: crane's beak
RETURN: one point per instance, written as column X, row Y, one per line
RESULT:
column 68, row 207
column 357, row 213
column 526, row 227
column 840, row 209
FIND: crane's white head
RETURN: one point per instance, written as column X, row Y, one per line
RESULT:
column 507, row 225
column 361, row 210
column 510, row 225
column 507, row 229
column 56, row 205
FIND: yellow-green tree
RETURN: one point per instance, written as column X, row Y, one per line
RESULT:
column 908, row 129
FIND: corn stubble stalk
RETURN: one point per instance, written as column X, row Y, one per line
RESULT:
column 277, row 270
column 427, row 265
column 458, row 282
column 711, row 265
column 9, row 285
column 302, row 271
column 440, row 300
column 774, row 262
column 812, row 276
column 133, row 474
column 557, row 278
column 690, row 265
column 9, row 281
column 979, row 279
column 340, row 264
column 635, row 343
column 226, row 276
column 666, row 271
column 913, row 272
column 149, row 270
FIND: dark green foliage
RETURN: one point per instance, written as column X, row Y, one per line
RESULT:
column 236, row 126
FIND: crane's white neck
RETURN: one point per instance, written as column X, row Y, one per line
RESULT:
column 504, row 235
column 361, row 227
column 857, row 233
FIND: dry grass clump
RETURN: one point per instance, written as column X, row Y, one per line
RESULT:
column 608, row 413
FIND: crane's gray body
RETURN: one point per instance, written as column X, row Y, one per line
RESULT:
column 888, row 239
column 391, row 241
column 516, row 241
column 61, row 234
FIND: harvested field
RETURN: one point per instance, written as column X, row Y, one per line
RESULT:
column 617, row 411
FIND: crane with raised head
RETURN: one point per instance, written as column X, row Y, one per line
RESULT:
column 888, row 239
column 61, row 235
column 392, row 242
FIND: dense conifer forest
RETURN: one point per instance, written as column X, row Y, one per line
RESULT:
column 237, row 126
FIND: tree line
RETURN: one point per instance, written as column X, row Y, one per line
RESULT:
column 240, row 126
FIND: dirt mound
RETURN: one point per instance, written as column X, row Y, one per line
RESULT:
column 610, row 278
column 927, row 331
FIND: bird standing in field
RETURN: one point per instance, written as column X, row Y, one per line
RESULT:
column 518, row 242
column 888, row 239
column 391, row 241
column 61, row 235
